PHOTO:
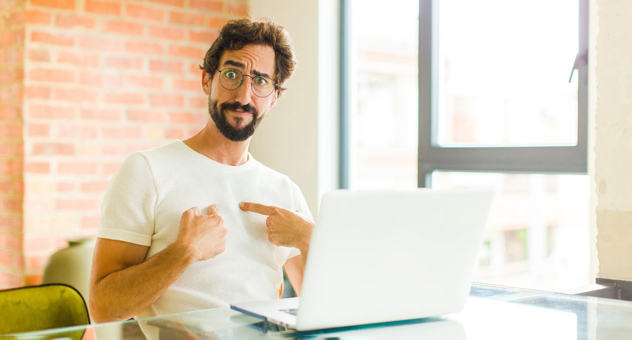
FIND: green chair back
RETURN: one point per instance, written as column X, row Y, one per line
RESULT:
column 42, row 307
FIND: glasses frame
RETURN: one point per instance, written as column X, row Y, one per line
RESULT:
column 252, row 79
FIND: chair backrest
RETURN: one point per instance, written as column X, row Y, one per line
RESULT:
column 35, row 308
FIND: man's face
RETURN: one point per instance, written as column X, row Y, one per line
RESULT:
column 236, row 113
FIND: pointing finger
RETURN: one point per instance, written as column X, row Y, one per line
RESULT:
column 257, row 208
column 212, row 210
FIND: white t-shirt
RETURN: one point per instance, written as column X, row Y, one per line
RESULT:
column 150, row 191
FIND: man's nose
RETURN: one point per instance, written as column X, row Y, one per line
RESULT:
column 244, row 92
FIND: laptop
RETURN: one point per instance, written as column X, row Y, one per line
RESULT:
column 385, row 256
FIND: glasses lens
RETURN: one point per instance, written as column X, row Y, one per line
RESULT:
column 231, row 78
column 262, row 86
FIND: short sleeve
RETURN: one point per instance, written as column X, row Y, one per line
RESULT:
column 127, row 212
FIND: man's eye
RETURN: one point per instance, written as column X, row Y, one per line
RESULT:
column 230, row 75
column 261, row 81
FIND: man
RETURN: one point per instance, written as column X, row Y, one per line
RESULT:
column 180, row 229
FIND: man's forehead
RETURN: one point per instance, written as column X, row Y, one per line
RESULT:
column 257, row 57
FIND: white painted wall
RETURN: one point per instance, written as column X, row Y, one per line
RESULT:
column 613, row 138
column 300, row 135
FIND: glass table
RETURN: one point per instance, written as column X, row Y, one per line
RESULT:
column 491, row 312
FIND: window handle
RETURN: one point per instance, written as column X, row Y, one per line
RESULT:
column 579, row 58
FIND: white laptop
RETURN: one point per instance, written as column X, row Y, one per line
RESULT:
column 383, row 256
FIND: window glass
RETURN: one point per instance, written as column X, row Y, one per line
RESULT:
column 537, row 233
column 384, row 92
column 503, row 72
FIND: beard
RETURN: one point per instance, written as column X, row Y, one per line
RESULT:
column 232, row 133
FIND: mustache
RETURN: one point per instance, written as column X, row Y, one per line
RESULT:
column 238, row 106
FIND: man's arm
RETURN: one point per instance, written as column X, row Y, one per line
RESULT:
column 294, row 270
column 122, row 285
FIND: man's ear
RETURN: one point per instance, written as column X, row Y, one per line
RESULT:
column 206, row 82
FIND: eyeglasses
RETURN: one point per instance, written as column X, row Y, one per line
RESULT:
column 231, row 79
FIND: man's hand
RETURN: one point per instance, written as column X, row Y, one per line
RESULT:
column 203, row 235
column 285, row 227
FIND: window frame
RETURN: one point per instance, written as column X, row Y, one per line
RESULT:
column 510, row 159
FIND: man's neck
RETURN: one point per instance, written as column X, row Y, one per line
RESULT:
column 211, row 143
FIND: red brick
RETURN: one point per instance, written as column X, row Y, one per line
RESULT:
column 185, row 84
column 77, row 204
column 11, row 167
column 186, row 118
column 11, row 187
column 12, row 56
column 206, row 5
column 118, row 133
column 9, row 259
column 38, row 130
column 37, row 168
column 10, row 130
column 32, row 16
column 105, row 115
column 124, row 98
column 166, row 33
column 53, row 149
column 194, row 68
column 11, row 75
column 176, row 3
column 146, row 82
column 60, row 4
column 13, row 204
column 78, row 59
column 151, row 116
column 110, row 168
column 145, row 12
column 100, row 79
column 11, row 93
column 74, row 20
column 9, row 112
column 81, row 131
column 52, row 38
column 33, row 279
column 187, row 52
column 103, row 7
column 37, row 92
column 39, row 55
column 10, row 149
column 39, row 111
column 36, row 263
column 176, row 134
column 207, row 37
column 52, row 75
column 76, row 95
column 122, row 62
column 238, row 10
column 15, row 20
column 166, row 100
column 166, row 66
column 38, row 243
column 65, row 187
column 95, row 43
column 198, row 102
column 113, row 150
column 123, row 27
column 8, row 280
column 90, row 222
column 78, row 168
column 94, row 186
column 143, row 47
column 11, row 242
column 216, row 22
column 187, row 19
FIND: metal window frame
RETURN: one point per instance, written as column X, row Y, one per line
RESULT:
column 540, row 159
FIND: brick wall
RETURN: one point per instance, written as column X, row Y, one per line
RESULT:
column 101, row 79
column 11, row 150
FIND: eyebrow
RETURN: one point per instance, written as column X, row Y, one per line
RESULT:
column 242, row 65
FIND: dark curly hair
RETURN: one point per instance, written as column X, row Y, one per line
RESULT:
column 238, row 33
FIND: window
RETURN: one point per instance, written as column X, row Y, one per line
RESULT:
column 500, row 101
